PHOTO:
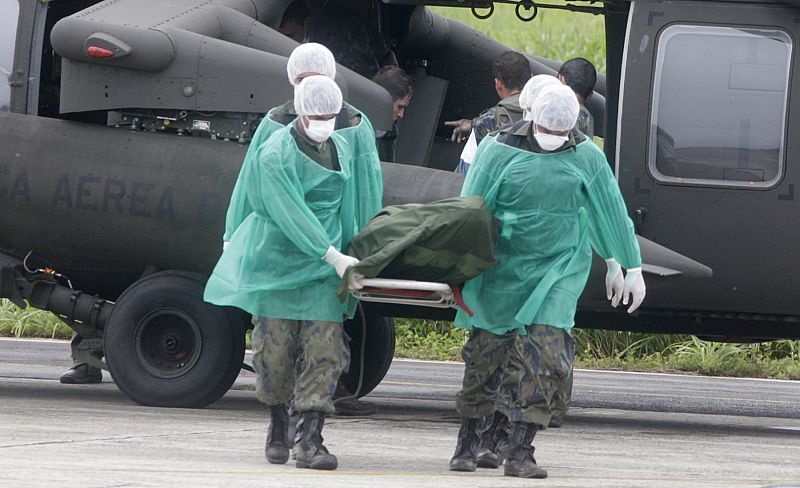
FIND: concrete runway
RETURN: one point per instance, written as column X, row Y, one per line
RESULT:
column 93, row 436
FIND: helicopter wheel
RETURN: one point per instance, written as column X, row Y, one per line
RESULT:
column 378, row 353
column 166, row 347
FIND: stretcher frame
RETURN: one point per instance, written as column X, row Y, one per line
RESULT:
column 406, row 292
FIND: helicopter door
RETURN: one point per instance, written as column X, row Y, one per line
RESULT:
column 703, row 156
column 417, row 128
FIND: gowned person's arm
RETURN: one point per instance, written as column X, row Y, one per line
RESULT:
column 483, row 177
column 610, row 229
column 284, row 201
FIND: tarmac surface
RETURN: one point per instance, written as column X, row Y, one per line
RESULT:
column 54, row 435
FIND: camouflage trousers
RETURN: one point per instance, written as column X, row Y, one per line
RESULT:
column 521, row 376
column 562, row 399
column 298, row 360
column 74, row 344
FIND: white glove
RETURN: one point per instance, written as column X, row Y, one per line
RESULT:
column 225, row 245
column 354, row 283
column 634, row 286
column 614, row 281
column 340, row 263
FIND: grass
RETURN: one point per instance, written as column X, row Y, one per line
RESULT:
column 680, row 353
column 626, row 351
column 554, row 34
column 30, row 322
column 421, row 339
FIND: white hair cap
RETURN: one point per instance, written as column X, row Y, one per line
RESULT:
column 317, row 95
column 532, row 89
column 311, row 58
column 556, row 108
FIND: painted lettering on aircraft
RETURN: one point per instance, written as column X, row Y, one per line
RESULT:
column 20, row 189
column 211, row 209
column 136, row 199
column 93, row 193
column 84, row 194
column 113, row 193
column 14, row 187
column 62, row 193
column 165, row 207
column 139, row 192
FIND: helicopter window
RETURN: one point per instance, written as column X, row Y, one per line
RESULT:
column 719, row 106
column 8, row 38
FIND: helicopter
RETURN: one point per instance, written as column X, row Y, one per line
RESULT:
column 125, row 124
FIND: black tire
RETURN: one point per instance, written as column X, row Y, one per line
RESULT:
column 378, row 353
column 166, row 347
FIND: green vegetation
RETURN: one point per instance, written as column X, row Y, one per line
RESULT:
column 648, row 352
column 554, row 34
column 30, row 322
column 422, row 339
column 628, row 351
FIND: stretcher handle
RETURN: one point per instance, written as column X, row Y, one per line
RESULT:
column 393, row 284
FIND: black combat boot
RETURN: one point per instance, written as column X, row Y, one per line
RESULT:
column 82, row 374
column 469, row 442
column 277, row 448
column 501, row 439
column 520, row 460
column 494, row 441
column 294, row 418
column 308, row 448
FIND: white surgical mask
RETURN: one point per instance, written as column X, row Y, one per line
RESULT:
column 549, row 142
column 320, row 130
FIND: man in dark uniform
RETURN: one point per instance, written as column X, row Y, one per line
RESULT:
column 580, row 75
column 294, row 23
column 511, row 71
column 401, row 88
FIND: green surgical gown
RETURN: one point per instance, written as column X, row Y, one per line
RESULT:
column 366, row 169
column 553, row 209
column 273, row 266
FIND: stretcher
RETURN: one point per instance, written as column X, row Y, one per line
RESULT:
column 410, row 292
